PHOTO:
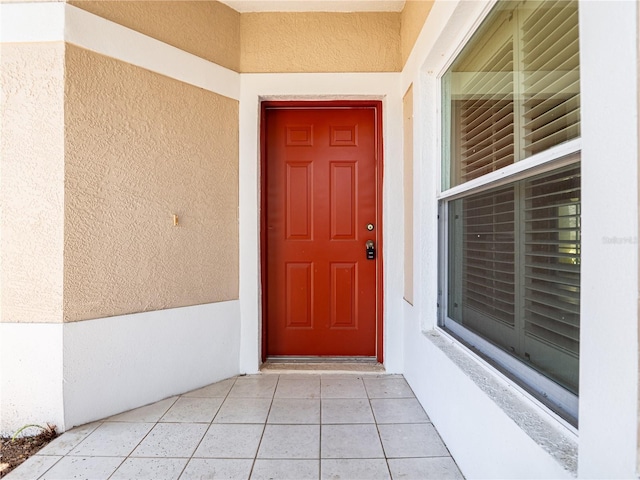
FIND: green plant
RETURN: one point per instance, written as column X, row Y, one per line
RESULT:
column 51, row 429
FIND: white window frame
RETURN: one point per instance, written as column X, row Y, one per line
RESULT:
column 561, row 402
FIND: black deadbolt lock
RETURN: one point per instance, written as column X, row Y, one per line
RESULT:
column 371, row 250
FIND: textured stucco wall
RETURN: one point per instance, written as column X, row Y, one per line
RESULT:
column 320, row 42
column 407, row 113
column 274, row 41
column 31, row 182
column 413, row 16
column 208, row 29
column 139, row 148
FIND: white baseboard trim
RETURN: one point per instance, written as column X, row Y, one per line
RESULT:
column 74, row 373
column 31, row 380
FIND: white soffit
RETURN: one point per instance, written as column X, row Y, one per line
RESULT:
column 244, row 6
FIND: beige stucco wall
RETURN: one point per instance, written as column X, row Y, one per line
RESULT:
column 31, row 182
column 414, row 14
column 208, row 29
column 141, row 147
column 274, row 42
column 407, row 113
column 320, row 42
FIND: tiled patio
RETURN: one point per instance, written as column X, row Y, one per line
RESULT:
column 269, row 426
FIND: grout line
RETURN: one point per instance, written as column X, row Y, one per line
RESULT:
column 45, row 472
column 375, row 419
column 264, row 427
column 320, row 434
column 210, row 423
column 119, row 465
column 155, row 424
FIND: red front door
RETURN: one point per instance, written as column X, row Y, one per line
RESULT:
column 321, row 209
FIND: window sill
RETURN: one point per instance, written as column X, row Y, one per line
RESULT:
column 553, row 435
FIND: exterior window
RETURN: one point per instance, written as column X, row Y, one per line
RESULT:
column 514, row 90
column 511, row 243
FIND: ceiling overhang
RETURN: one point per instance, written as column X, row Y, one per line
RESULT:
column 244, row 6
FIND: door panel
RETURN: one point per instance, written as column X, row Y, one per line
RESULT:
column 343, row 201
column 298, row 295
column 298, row 201
column 344, row 298
column 321, row 193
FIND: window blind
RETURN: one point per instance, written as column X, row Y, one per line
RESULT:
column 552, row 271
column 516, row 91
column 518, row 250
column 486, row 116
column 488, row 254
column 551, row 76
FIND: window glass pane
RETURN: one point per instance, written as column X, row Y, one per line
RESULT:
column 514, row 89
column 485, row 254
column 551, row 205
column 514, row 270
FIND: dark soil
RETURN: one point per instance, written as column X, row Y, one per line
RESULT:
column 14, row 452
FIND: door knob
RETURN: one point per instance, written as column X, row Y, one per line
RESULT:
column 370, row 247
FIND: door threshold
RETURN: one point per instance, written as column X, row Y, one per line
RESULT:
column 318, row 359
column 347, row 365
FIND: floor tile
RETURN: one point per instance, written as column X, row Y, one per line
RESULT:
column 298, row 386
column 388, row 388
column 150, row 469
column 84, row 468
column 286, row 470
column 230, row 441
column 193, row 410
column 350, row 441
column 398, row 410
column 217, row 469
column 345, row 386
column 295, row 411
column 259, row 386
column 346, row 410
column 243, row 410
column 411, row 440
column 32, row 468
column 290, row 441
column 355, row 469
column 113, row 440
column 218, row 389
column 435, row 468
column 69, row 440
column 148, row 413
column 171, row 440
column 276, row 426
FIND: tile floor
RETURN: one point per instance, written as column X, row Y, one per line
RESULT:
column 269, row 426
